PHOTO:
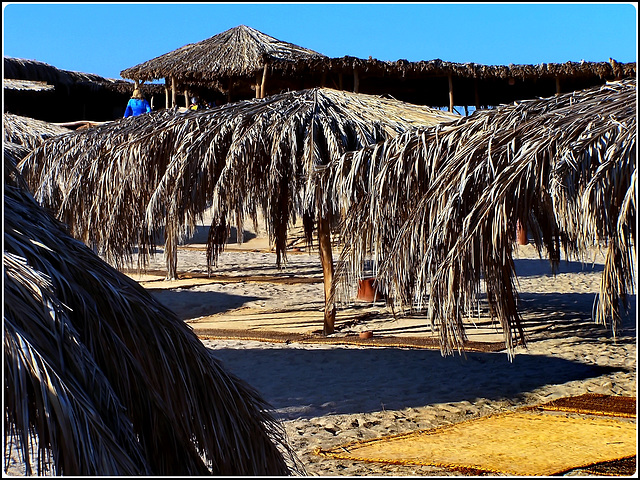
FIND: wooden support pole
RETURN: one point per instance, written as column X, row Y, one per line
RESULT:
column 166, row 93
column 356, row 81
column 476, row 93
column 171, row 251
column 557, row 85
column 174, row 92
column 186, row 98
column 263, row 92
column 326, row 259
column 450, row 93
column 258, row 87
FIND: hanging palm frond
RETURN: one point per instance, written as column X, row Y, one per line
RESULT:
column 437, row 209
column 107, row 379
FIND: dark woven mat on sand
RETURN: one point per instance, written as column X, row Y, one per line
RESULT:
column 375, row 341
column 594, row 404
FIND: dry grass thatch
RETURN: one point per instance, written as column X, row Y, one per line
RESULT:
column 120, row 184
column 238, row 51
column 28, row 132
column 26, row 85
column 437, row 208
column 107, row 379
column 31, row 70
column 402, row 69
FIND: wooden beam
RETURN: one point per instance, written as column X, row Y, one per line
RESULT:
column 186, row 98
column 174, row 92
column 263, row 92
column 450, row 93
column 326, row 259
column 476, row 93
column 166, row 93
column 356, row 81
column 258, row 87
column 557, row 85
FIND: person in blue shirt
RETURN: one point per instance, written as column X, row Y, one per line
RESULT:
column 136, row 105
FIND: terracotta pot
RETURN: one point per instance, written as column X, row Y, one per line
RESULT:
column 367, row 334
column 368, row 290
column 522, row 234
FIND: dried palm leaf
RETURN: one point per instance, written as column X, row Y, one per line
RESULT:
column 437, row 208
column 110, row 381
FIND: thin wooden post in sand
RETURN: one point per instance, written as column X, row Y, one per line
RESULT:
column 450, row 93
column 326, row 258
column 263, row 92
column 174, row 92
column 171, row 251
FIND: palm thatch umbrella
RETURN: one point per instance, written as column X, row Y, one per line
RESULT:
column 437, row 208
column 110, row 381
column 28, row 131
column 121, row 183
column 236, row 58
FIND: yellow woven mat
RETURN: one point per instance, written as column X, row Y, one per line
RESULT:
column 520, row 443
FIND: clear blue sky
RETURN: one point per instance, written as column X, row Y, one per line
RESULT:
column 106, row 38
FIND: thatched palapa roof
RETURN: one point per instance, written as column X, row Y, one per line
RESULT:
column 136, row 176
column 238, row 53
column 31, row 70
column 437, row 208
column 108, row 380
column 31, row 85
column 28, row 131
column 279, row 139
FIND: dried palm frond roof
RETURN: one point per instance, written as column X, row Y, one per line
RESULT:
column 28, row 131
column 108, row 380
column 405, row 69
column 437, row 208
column 118, row 182
column 238, row 51
column 32, row 70
column 26, row 85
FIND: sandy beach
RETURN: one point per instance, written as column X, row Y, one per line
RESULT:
column 331, row 394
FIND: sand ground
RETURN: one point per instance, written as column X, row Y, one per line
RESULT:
column 329, row 395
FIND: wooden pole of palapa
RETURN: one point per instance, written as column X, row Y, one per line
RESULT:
column 476, row 93
column 263, row 92
column 557, row 85
column 166, row 93
column 326, row 259
column 356, row 80
column 450, row 93
column 174, row 92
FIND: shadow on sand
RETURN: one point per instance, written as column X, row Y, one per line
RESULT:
column 304, row 383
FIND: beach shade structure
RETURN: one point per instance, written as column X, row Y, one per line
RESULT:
column 28, row 131
column 119, row 184
column 235, row 61
column 102, row 379
column 436, row 209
